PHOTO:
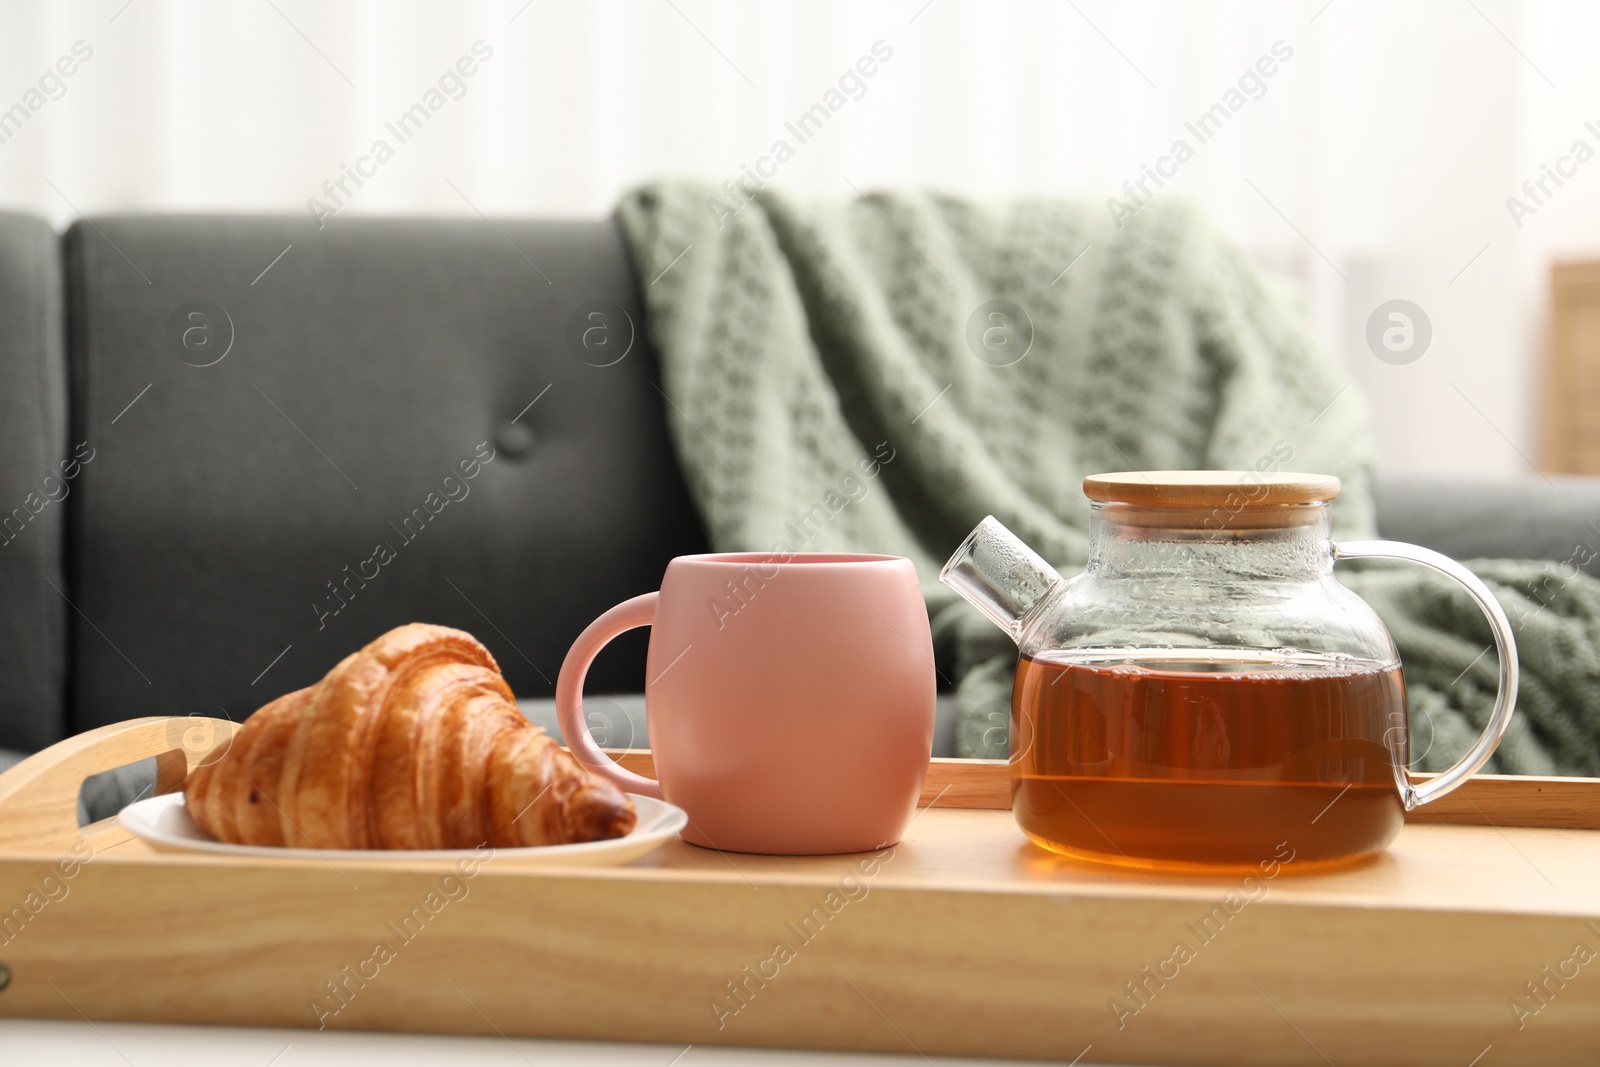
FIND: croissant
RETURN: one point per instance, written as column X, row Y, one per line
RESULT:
column 414, row 742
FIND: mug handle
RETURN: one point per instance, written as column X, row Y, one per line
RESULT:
column 1505, row 646
column 628, row 615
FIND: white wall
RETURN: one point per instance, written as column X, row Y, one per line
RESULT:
column 1390, row 140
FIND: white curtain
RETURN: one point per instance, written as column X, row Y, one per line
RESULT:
column 1372, row 163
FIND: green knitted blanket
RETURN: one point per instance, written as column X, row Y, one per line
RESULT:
column 881, row 374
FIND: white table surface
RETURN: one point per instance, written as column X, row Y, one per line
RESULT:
column 51, row 1043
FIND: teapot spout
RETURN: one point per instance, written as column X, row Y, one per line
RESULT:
column 1000, row 576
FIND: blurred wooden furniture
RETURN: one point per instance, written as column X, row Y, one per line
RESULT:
column 1572, row 371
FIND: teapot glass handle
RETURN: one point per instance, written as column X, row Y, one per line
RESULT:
column 1505, row 646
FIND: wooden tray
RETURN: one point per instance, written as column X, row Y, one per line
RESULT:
column 1459, row 946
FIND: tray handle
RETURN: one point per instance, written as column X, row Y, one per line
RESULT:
column 39, row 796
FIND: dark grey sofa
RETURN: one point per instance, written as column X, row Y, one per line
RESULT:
column 193, row 507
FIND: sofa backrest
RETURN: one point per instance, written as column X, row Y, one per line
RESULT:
column 34, row 492
column 294, row 439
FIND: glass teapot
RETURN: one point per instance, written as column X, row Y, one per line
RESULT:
column 1205, row 694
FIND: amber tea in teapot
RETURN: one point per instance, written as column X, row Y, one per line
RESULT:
column 1205, row 691
column 1123, row 750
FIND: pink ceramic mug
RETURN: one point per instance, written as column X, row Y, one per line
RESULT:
column 789, row 698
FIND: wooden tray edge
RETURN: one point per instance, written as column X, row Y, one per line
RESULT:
column 1484, row 800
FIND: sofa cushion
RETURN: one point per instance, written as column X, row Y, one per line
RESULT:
column 34, row 489
column 1549, row 518
column 305, row 437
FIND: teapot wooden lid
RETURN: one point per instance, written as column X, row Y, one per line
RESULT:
column 1206, row 489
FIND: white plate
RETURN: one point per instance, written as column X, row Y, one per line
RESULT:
column 164, row 822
